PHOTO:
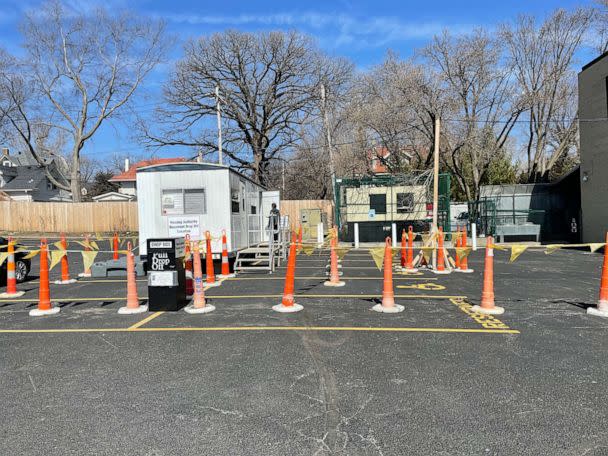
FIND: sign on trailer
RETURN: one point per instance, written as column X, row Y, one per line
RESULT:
column 180, row 225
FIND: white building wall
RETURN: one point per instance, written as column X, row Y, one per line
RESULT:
column 152, row 223
column 128, row 188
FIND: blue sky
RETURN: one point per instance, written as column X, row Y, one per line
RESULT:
column 360, row 30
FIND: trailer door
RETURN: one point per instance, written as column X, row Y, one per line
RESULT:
column 268, row 198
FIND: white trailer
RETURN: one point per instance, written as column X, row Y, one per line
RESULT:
column 191, row 198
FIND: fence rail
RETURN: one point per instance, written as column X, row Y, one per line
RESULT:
column 24, row 216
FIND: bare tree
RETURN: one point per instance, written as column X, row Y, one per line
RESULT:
column 480, row 94
column 542, row 57
column 78, row 71
column 269, row 86
column 601, row 26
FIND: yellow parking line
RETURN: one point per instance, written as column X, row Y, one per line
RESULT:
column 265, row 328
column 364, row 296
column 301, row 296
column 325, row 278
column 145, row 320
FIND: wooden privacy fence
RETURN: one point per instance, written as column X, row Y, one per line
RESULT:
column 292, row 209
column 24, row 216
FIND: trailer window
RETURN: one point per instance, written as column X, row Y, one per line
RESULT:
column 405, row 203
column 235, row 203
column 183, row 201
column 194, row 201
column 378, row 203
column 172, row 202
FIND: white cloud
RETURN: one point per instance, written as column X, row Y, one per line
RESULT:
column 344, row 30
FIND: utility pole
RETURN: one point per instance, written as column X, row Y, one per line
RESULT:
column 436, row 173
column 332, row 169
column 434, row 228
column 219, row 126
column 283, row 176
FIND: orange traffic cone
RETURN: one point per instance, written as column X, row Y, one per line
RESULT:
column 403, row 259
column 45, row 307
column 388, row 295
column 115, row 246
column 11, row 279
column 334, row 274
column 65, row 267
column 288, row 304
column 457, row 244
column 199, row 305
column 440, row 269
column 86, row 272
column 487, row 294
column 464, row 263
column 225, row 264
column 210, row 282
column 188, row 266
column 133, row 306
column 602, row 305
column 409, row 265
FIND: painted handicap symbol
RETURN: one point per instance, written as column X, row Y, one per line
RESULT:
column 423, row 286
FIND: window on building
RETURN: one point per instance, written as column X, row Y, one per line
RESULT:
column 405, row 203
column 183, row 201
column 254, row 210
column 194, row 201
column 378, row 203
column 6, row 163
column 50, row 186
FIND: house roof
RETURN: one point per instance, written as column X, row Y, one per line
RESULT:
column 10, row 171
column 129, row 176
column 113, row 196
column 28, row 178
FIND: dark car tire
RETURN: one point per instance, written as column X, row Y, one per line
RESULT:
column 22, row 269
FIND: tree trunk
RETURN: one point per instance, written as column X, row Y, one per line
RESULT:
column 75, row 177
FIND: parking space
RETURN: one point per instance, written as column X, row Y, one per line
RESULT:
column 335, row 378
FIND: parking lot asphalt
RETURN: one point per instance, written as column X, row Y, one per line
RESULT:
column 335, row 378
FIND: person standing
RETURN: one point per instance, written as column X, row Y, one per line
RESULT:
column 274, row 221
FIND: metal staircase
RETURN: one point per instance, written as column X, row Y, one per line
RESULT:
column 265, row 256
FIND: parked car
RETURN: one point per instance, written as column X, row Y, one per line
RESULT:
column 22, row 266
